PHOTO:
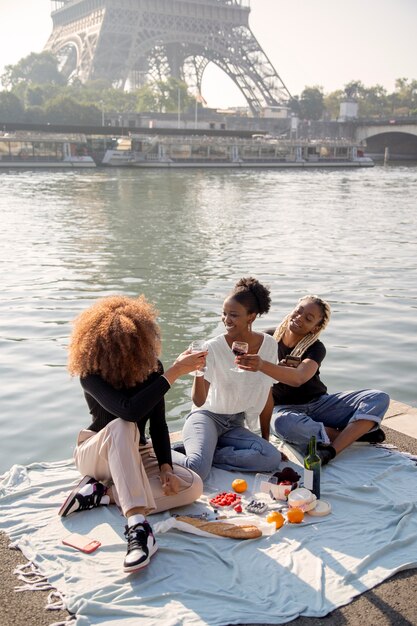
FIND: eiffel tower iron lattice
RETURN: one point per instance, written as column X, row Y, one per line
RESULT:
column 130, row 42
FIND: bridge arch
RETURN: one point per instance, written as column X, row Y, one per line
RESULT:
column 365, row 131
column 401, row 142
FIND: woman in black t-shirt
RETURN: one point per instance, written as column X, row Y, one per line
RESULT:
column 302, row 405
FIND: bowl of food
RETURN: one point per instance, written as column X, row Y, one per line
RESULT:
column 224, row 500
column 283, row 483
column 302, row 498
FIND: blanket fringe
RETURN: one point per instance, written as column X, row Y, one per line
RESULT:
column 33, row 580
column 29, row 574
column 55, row 601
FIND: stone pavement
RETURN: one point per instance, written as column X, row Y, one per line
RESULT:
column 402, row 418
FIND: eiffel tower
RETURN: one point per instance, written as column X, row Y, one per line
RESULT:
column 131, row 42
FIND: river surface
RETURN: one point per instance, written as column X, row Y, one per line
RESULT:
column 183, row 238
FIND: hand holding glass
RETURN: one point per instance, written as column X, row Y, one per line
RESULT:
column 198, row 346
column 239, row 348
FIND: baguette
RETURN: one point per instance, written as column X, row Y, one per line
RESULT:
column 223, row 529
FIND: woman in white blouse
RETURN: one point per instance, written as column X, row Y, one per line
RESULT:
column 226, row 401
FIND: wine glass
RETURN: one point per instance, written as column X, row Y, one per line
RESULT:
column 239, row 348
column 199, row 345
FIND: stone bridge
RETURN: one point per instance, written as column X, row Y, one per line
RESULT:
column 398, row 136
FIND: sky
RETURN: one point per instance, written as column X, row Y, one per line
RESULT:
column 325, row 43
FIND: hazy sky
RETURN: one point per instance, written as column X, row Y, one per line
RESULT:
column 309, row 42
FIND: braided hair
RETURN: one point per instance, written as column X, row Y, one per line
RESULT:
column 309, row 339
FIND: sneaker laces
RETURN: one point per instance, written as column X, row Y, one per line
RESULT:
column 136, row 537
column 92, row 500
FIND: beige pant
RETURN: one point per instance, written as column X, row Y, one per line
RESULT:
column 113, row 456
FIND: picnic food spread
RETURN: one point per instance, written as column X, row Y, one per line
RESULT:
column 264, row 504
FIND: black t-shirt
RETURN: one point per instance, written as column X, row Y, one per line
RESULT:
column 312, row 389
column 141, row 404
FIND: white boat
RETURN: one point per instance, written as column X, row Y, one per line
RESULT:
column 226, row 152
column 49, row 150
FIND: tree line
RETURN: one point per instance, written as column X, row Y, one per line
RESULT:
column 34, row 91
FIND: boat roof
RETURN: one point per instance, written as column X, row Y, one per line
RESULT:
column 21, row 135
column 270, row 140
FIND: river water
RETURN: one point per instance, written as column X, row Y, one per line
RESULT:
column 183, row 238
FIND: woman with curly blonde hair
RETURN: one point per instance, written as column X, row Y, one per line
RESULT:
column 114, row 349
column 303, row 407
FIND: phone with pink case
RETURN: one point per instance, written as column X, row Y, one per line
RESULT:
column 81, row 542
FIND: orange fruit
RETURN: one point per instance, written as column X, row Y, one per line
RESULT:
column 239, row 485
column 277, row 517
column 295, row 516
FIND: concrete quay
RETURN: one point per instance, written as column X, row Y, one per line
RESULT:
column 401, row 418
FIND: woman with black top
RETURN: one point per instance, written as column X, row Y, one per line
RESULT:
column 302, row 405
column 114, row 350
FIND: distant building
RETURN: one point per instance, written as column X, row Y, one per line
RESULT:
column 277, row 112
column 348, row 111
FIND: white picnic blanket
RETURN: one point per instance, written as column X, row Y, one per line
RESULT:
column 306, row 569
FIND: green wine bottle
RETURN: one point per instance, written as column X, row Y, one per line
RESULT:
column 312, row 469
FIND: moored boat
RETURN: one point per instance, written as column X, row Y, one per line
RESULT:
column 221, row 152
column 36, row 150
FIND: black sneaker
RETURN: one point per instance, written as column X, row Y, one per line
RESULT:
column 86, row 495
column 141, row 545
column 374, row 436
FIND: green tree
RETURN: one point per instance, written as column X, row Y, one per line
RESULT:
column 171, row 93
column 11, row 109
column 405, row 96
column 312, row 103
column 374, row 102
column 35, row 96
column 35, row 69
column 294, row 105
column 332, row 102
column 146, row 99
column 65, row 110
column 34, row 115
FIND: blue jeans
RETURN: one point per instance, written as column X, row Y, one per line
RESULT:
column 296, row 423
column 221, row 440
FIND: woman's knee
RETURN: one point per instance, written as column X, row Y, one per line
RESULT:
column 283, row 426
column 271, row 457
column 190, row 482
column 199, row 465
column 383, row 401
column 298, row 429
column 119, row 426
column 120, row 430
column 196, row 488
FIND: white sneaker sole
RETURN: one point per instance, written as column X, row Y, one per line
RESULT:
column 136, row 568
column 62, row 511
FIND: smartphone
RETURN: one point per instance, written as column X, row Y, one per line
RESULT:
column 292, row 360
column 81, row 542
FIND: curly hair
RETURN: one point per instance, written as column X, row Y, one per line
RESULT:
column 309, row 339
column 251, row 294
column 117, row 338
